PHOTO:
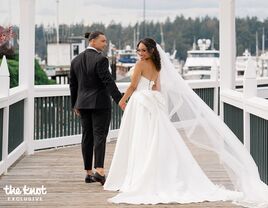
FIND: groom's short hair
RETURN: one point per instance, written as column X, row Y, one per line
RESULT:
column 93, row 35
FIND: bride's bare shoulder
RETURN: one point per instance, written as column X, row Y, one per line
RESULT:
column 139, row 65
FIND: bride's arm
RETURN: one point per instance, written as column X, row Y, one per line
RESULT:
column 133, row 85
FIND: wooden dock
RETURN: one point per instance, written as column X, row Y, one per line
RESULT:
column 60, row 171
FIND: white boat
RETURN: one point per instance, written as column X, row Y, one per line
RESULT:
column 125, row 60
column 126, row 56
column 261, row 63
column 241, row 63
column 200, row 60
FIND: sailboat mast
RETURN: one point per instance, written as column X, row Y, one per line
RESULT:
column 162, row 36
column 144, row 19
column 257, row 44
column 263, row 41
column 134, row 38
column 57, row 30
column 57, row 21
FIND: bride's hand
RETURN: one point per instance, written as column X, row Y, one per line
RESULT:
column 122, row 104
column 77, row 112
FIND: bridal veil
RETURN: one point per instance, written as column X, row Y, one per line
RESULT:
column 204, row 128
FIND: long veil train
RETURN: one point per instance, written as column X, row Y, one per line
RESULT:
column 206, row 130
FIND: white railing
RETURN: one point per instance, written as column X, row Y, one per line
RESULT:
column 16, row 94
column 19, row 93
column 7, row 98
column 254, row 105
column 251, row 105
column 252, row 100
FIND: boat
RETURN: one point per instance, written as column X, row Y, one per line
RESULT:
column 263, row 64
column 125, row 60
column 200, row 60
column 260, row 62
column 241, row 63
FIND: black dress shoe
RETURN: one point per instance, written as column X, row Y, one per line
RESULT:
column 89, row 179
column 99, row 178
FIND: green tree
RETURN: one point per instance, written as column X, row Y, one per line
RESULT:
column 13, row 66
column 180, row 31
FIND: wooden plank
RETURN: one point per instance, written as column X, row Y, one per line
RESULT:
column 61, row 172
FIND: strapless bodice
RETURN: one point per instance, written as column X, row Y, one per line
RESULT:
column 145, row 84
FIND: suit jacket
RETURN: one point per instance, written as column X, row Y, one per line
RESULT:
column 91, row 83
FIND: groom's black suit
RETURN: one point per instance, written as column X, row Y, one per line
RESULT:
column 91, row 85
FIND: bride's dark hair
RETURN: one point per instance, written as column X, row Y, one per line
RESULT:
column 152, row 49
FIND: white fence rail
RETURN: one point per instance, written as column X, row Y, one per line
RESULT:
column 254, row 105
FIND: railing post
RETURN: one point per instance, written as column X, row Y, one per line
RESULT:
column 227, row 46
column 250, row 90
column 26, row 67
column 215, row 77
column 4, row 92
column 4, row 78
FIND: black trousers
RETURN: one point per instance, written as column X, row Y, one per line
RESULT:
column 95, row 127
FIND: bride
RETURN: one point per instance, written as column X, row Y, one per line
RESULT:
column 151, row 162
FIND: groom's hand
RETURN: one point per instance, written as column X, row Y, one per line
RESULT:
column 77, row 112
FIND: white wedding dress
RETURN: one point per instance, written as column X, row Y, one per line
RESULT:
column 151, row 162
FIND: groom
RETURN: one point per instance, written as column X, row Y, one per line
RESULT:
column 91, row 85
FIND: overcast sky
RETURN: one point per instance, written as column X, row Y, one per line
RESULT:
column 125, row 11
